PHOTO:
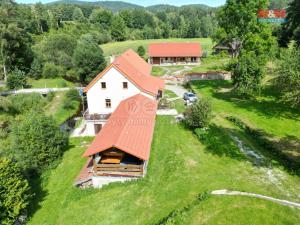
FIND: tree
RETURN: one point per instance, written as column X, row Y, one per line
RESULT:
column 16, row 79
column 291, row 29
column 14, row 192
column 247, row 73
column 199, row 114
column 78, row 15
column 288, row 79
column 88, row 59
column 141, row 51
column 238, row 25
column 37, row 141
column 102, row 17
column 15, row 51
column 117, row 29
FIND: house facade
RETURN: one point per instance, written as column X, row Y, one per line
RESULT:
column 122, row 105
column 174, row 53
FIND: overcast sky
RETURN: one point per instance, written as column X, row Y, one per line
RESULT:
column 149, row 2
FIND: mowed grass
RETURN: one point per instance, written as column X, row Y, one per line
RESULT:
column 263, row 112
column 49, row 83
column 117, row 48
column 212, row 63
column 180, row 167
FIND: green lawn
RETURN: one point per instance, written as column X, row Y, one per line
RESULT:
column 180, row 167
column 263, row 112
column 278, row 122
column 56, row 108
column 169, row 94
column 212, row 63
column 116, row 48
column 158, row 71
column 49, row 83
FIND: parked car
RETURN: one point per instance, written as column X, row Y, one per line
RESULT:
column 190, row 97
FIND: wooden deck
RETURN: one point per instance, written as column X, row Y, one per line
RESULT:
column 118, row 170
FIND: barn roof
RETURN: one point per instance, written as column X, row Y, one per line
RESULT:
column 129, row 128
column 175, row 50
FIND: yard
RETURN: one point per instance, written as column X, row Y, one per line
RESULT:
column 49, row 83
column 180, row 168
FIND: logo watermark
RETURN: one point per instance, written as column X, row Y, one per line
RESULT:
column 272, row 16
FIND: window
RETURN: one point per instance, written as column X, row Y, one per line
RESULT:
column 108, row 103
column 166, row 58
column 125, row 85
column 103, row 85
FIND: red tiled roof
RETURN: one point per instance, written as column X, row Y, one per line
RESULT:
column 175, row 50
column 135, row 69
column 129, row 128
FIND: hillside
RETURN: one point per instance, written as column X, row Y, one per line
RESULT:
column 114, row 6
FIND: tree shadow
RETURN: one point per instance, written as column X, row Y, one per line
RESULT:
column 267, row 104
column 219, row 143
column 37, row 185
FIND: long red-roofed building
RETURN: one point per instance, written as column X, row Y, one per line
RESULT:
column 174, row 53
column 122, row 105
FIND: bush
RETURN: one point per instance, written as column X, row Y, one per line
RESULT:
column 16, row 79
column 141, row 51
column 50, row 70
column 14, row 192
column 71, row 96
column 37, row 141
column 26, row 102
column 199, row 114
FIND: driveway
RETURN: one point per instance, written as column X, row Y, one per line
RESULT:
column 177, row 89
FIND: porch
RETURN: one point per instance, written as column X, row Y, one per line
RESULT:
column 95, row 116
column 114, row 162
column 175, row 60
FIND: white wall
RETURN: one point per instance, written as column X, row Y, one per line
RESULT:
column 99, row 181
column 114, row 90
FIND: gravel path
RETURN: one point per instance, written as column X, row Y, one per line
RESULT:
column 38, row 90
column 177, row 89
column 276, row 200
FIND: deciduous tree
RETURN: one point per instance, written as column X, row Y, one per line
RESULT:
column 88, row 59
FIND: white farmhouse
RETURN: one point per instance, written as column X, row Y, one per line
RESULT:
column 126, row 76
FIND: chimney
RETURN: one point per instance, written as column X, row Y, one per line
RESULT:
column 112, row 58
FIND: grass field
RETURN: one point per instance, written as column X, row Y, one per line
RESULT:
column 263, row 112
column 49, row 83
column 180, row 167
column 116, row 48
column 56, row 108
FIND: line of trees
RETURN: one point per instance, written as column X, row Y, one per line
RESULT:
column 47, row 40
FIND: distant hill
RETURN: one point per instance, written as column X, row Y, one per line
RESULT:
column 161, row 7
column 114, row 6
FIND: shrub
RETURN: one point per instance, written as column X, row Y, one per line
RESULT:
column 26, row 102
column 14, row 192
column 199, row 114
column 141, row 51
column 16, row 79
column 50, row 70
column 71, row 96
column 37, row 141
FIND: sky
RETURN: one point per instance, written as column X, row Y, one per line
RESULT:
column 149, row 2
